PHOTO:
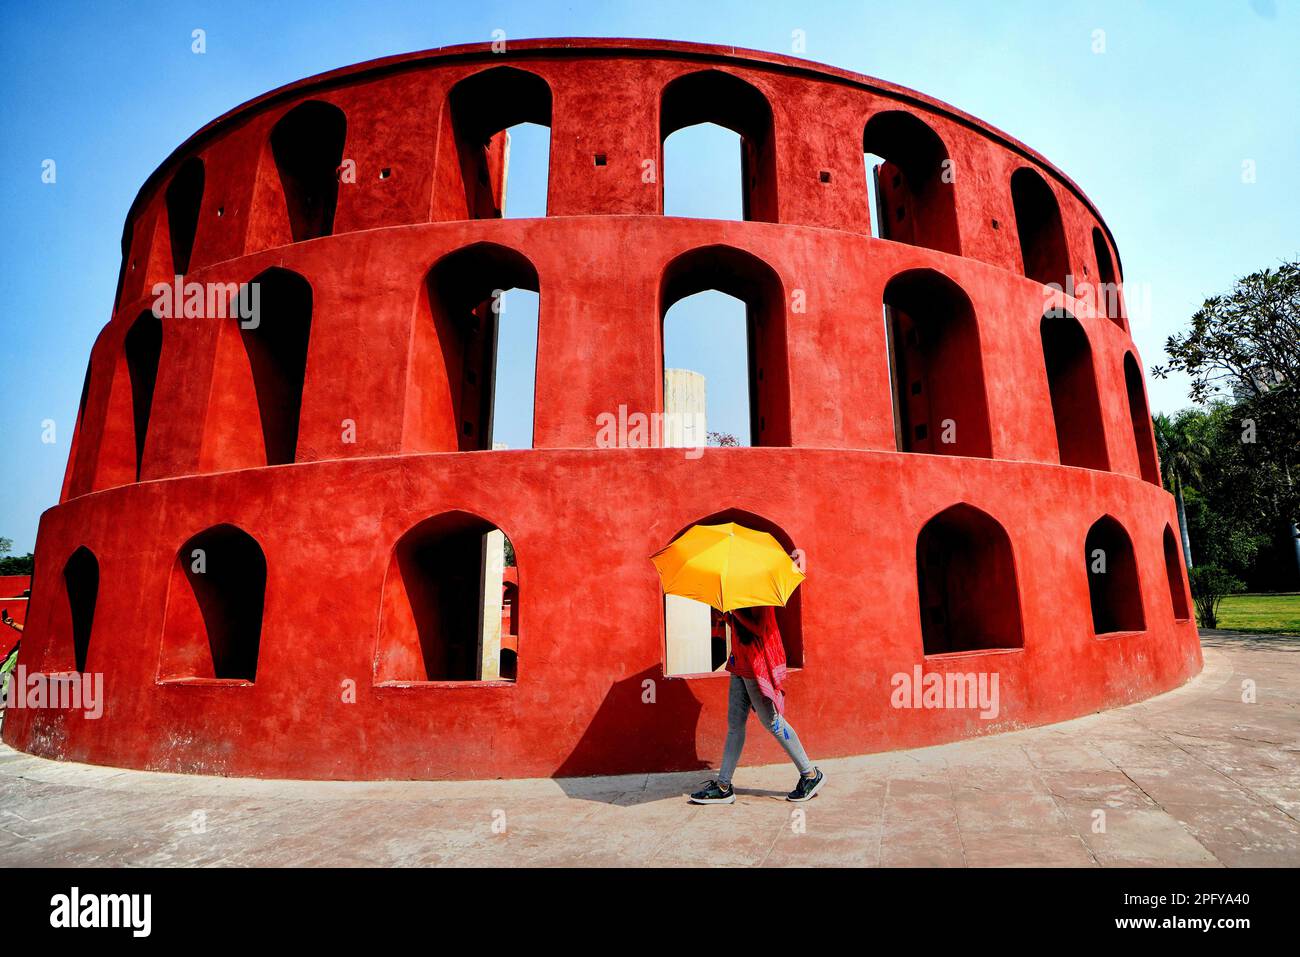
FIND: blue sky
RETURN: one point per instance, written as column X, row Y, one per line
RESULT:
column 1155, row 130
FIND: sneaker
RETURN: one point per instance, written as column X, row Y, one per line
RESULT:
column 712, row 793
column 807, row 787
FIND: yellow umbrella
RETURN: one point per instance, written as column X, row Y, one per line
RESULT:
column 727, row 566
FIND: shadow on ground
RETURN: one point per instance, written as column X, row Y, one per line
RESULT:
column 661, row 735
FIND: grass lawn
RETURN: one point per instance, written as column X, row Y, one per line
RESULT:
column 1272, row 614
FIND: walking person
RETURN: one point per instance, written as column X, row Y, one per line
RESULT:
column 758, row 671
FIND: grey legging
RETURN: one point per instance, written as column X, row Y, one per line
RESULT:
column 744, row 695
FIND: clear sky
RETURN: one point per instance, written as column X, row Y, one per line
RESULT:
column 1155, row 129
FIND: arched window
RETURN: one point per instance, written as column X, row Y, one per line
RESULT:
column 471, row 295
column 259, row 373
column 1143, row 434
column 748, row 279
column 440, row 615
column 940, row 405
column 966, row 581
column 1107, row 285
column 510, row 621
column 213, row 625
column 1174, row 572
column 81, row 582
column 484, row 109
column 128, row 233
column 712, row 96
column 906, row 164
column 307, row 145
column 1076, row 410
column 143, row 345
column 695, row 635
column 119, row 456
column 1113, row 588
column 85, row 394
column 1043, row 251
column 184, row 199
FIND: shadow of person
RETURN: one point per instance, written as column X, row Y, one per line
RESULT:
column 646, row 724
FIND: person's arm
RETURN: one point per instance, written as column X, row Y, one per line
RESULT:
column 754, row 624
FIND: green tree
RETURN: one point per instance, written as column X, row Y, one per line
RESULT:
column 1182, row 453
column 1246, row 345
column 14, row 564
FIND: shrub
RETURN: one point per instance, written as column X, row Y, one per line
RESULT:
column 1210, row 584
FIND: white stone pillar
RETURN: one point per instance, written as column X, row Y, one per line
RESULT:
column 688, row 624
column 491, row 573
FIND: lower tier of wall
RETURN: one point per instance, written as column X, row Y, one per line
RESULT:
column 591, row 695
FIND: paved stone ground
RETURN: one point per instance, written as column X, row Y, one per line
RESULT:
column 1193, row 778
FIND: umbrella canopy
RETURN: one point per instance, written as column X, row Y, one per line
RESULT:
column 727, row 566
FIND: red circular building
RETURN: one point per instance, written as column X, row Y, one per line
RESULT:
column 271, row 537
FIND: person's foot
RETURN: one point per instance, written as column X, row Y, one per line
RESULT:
column 713, row 793
column 807, row 787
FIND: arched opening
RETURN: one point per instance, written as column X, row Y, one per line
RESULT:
column 1076, row 409
column 1113, row 587
column 143, row 345
column 966, row 582
column 1174, row 573
column 702, row 176
column 184, row 199
column 706, row 347
column 307, row 145
column 81, row 582
column 909, row 179
column 85, row 394
column 510, row 620
column 696, row 638
column 441, row 608
column 484, row 111
column 128, row 233
column 718, row 98
column 260, row 370
column 1143, row 433
column 1107, row 286
column 756, row 285
column 472, row 295
column 119, row 454
column 1043, row 251
column 213, row 625
column 940, row 406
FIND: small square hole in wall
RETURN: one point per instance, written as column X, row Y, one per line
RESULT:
column 600, row 159
column 996, row 224
column 221, row 211
column 826, row 176
column 385, row 172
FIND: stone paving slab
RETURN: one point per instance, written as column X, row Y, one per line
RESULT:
column 1193, row 778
